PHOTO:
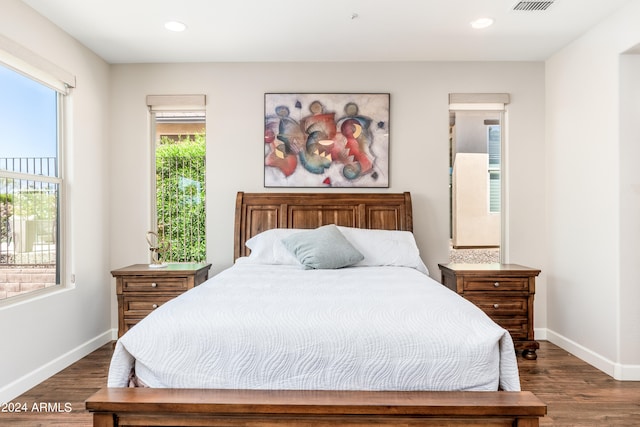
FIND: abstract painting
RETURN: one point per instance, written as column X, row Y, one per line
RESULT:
column 326, row 140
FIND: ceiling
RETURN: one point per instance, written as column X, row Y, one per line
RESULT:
column 132, row 31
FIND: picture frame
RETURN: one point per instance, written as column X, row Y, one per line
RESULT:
column 326, row 140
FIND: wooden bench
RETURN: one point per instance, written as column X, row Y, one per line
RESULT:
column 265, row 408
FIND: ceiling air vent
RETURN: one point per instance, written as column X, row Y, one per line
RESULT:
column 533, row 5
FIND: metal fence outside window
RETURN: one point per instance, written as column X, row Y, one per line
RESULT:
column 28, row 212
column 180, row 205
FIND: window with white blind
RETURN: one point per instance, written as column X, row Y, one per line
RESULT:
column 179, row 165
column 32, row 104
column 494, row 144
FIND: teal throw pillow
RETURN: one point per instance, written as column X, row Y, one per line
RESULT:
column 322, row 248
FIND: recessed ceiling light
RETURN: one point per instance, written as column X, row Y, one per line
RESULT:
column 175, row 26
column 481, row 23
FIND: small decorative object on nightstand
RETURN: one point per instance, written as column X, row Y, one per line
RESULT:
column 141, row 289
column 157, row 248
column 504, row 291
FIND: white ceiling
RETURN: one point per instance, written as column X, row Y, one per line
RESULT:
column 132, row 31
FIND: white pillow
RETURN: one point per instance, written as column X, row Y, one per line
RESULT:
column 379, row 247
column 385, row 248
column 267, row 247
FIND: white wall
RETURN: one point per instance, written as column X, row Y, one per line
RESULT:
column 418, row 144
column 630, row 211
column 592, row 192
column 473, row 224
column 42, row 336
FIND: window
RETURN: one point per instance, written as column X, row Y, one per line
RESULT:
column 31, row 184
column 476, row 180
column 179, row 148
column 494, row 142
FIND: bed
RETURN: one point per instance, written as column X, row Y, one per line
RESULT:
column 295, row 335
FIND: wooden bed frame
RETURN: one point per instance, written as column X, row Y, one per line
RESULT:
column 256, row 212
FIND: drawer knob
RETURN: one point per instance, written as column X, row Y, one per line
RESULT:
column 496, row 285
column 153, row 285
column 496, row 305
column 155, row 306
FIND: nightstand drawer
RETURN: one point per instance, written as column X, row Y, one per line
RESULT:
column 155, row 284
column 130, row 322
column 496, row 284
column 144, row 306
column 499, row 305
column 517, row 326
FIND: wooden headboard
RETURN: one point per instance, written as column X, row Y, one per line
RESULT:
column 257, row 212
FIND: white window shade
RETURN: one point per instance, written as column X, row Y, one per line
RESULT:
column 478, row 101
column 176, row 102
column 32, row 65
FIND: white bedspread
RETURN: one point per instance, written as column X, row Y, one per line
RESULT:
column 280, row 327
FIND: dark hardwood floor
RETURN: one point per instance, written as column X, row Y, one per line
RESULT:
column 67, row 389
column 576, row 393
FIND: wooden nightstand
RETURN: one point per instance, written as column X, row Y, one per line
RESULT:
column 141, row 289
column 504, row 291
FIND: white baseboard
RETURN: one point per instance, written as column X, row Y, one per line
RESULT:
column 616, row 370
column 540, row 333
column 35, row 377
